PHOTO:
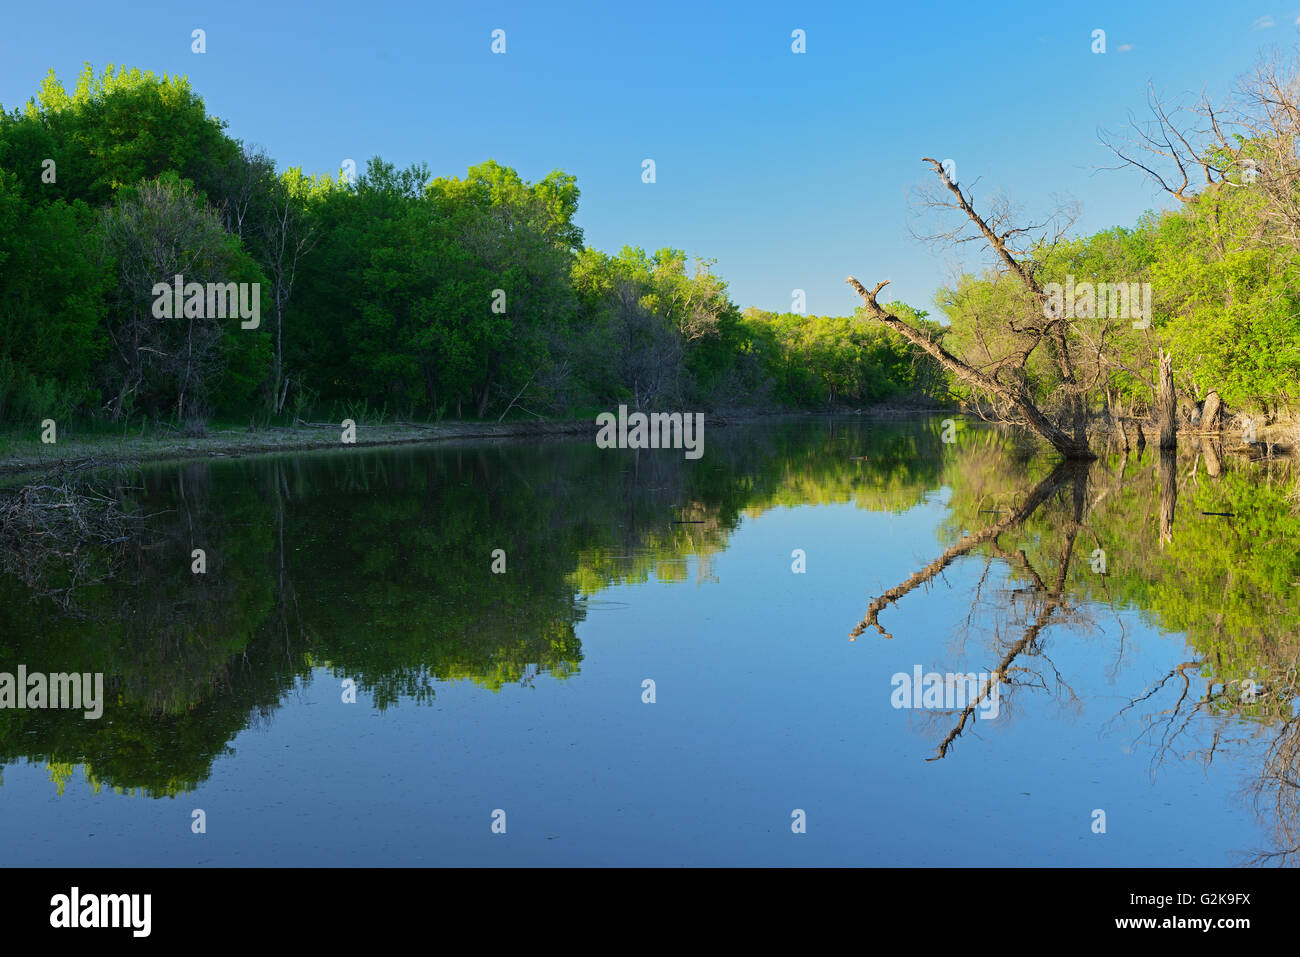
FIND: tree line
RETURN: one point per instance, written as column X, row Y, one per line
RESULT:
column 392, row 291
column 419, row 296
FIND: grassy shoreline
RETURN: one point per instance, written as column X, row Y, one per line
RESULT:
column 24, row 454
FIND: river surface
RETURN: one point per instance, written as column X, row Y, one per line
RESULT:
column 518, row 653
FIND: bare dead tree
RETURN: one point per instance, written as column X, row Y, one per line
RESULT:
column 1170, row 146
column 1234, row 713
column 1277, row 791
column 1251, row 141
column 650, row 357
column 1039, row 326
column 1241, row 154
column 1268, row 122
column 241, row 182
column 1054, row 601
column 288, row 235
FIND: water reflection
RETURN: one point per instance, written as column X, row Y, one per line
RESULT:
column 1223, row 576
column 378, row 568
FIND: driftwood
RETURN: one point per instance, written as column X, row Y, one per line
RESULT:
column 57, row 535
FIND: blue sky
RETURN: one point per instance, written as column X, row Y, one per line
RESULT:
column 792, row 171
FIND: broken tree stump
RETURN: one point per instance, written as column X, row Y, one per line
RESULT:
column 1166, row 406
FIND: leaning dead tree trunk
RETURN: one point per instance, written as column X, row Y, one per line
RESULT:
column 1048, row 329
column 1040, row 423
column 1166, row 405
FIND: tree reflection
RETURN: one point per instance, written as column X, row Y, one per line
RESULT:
column 377, row 568
column 1223, row 575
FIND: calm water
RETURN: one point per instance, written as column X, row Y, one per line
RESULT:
column 523, row 691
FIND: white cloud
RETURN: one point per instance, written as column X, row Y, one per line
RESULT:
column 1265, row 23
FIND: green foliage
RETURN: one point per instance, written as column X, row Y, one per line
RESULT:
column 1224, row 304
column 403, row 291
column 1232, row 301
column 113, row 130
column 51, row 305
column 836, row 360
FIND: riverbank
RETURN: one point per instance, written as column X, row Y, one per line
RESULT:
column 23, row 455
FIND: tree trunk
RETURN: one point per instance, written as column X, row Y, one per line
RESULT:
column 1210, row 417
column 277, row 366
column 1166, row 406
column 494, row 363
